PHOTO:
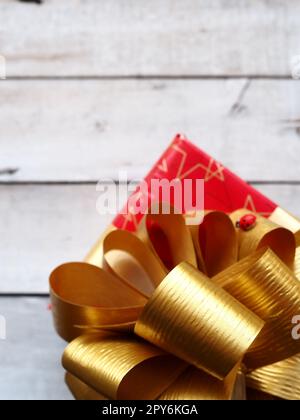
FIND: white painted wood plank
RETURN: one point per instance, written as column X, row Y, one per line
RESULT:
column 43, row 226
column 207, row 37
column 87, row 130
column 30, row 357
column 286, row 196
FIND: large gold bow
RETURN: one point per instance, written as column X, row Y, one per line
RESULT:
column 179, row 314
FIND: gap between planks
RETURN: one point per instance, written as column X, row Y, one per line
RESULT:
column 152, row 77
column 128, row 124
column 43, row 226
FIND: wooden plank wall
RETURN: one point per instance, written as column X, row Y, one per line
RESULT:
column 96, row 86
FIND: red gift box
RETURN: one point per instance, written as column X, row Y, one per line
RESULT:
column 223, row 190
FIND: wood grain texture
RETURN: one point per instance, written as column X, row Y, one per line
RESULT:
column 97, row 86
column 117, row 38
column 30, row 366
column 59, row 130
column 43, row 226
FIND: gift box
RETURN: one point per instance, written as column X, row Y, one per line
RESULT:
column 224, row 190
column 202, row 304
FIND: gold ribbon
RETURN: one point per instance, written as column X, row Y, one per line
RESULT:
column 188, row 322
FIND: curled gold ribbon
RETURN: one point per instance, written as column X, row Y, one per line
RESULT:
column 267, row 287
column 189, row 306
column 118, row 366
column 180, row 322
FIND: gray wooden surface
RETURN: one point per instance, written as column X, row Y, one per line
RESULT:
column 30, row 356
column 43, row 226
column 97, row 86
column 173, row 37
column 70, row 130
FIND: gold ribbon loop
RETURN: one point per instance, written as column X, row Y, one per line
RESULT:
column 173, row 227
column 242, row 315
column 81, row 391
column 283, row 218
column 121, row 368
column 281, row 379
column 132, row 261
column 194, row 384
column 84, row 297
column 265, row 234
column 215, row 243
column 193, row 318
column 265, row 285
column 296, row 267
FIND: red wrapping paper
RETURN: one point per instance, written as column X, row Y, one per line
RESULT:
column 223, row 190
